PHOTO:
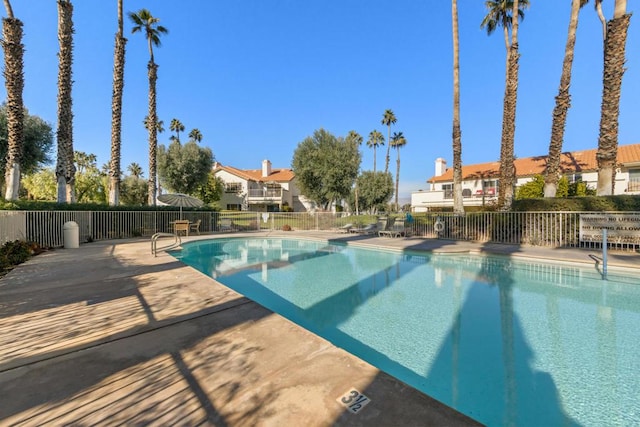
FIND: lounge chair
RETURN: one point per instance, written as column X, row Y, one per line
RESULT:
column 226, row 224
column 344, row 228
column 367, row 229
column 195, row 226
column 384, row 224
column 398, row 229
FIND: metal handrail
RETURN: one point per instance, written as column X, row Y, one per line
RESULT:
column 154, row 242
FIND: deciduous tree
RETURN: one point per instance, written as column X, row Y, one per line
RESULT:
column 184, row 168
column 40, row 185
column 375, row 190
column 210, row 191
column 326, row 167
column 91, row 184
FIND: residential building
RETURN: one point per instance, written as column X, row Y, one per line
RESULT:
column 480, row 181
column 259, row 190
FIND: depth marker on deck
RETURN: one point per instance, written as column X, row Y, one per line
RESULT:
column 353, row 400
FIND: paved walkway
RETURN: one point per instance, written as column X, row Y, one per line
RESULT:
column 108, row 334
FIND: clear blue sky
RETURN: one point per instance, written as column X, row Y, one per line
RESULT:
column 258, row 76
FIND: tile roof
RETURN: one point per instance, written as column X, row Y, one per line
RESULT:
column 575, row 161
column 277, row 175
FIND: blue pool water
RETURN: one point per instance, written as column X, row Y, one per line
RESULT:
column 505, row 341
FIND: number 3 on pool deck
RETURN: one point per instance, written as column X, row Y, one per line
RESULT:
column 354, row 401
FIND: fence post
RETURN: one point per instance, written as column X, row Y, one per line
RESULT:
column 604, row 253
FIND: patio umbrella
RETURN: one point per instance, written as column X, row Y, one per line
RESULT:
column 181, row 200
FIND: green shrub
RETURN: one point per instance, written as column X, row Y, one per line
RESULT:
column 619, row 203
column 16, row 252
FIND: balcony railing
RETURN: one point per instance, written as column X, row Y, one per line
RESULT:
column 489, row 192
column 265, row 194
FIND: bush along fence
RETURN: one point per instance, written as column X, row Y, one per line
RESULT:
column 549, row 229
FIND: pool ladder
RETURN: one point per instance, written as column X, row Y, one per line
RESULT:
column 154, row 242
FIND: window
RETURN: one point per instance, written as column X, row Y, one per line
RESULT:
column 490, row 187
column 448, row 191
column 233, row 187
column 234, row 207
column 634, row 180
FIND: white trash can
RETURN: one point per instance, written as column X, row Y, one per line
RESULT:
column 71, row 235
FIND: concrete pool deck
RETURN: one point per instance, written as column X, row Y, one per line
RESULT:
column 108, row 334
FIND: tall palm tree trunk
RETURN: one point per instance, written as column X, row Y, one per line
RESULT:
column 458, row 206
column 388, row 157
column 14, row 83
column 397, row 178
column 614, row 58
column 65, row 168
column 116, row 115
column 507, row 168
column 153, row 132
column 563, row 102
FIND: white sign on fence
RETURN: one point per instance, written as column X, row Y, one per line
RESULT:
column 621, row 228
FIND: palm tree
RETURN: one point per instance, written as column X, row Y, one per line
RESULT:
column 14, row 83
column 116, row 108
column 195, row 135
column 563, row 102
column 397, row 141
column 143, row 20
column 388, row 119
column 159, row 124
column 65, row 168
column 505, row 14
column 176, row 126
column 614, row 59
column 356, row 139
column 375, row 140
column 135, row 170
column 458, row 206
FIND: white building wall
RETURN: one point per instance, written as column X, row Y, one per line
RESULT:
column 233, row 198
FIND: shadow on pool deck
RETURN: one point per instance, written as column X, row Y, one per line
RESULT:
column 108, row 334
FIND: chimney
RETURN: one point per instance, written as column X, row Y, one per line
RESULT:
column 441, row 166
column 266, row 168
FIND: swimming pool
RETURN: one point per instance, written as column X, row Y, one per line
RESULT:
column 504, row 341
